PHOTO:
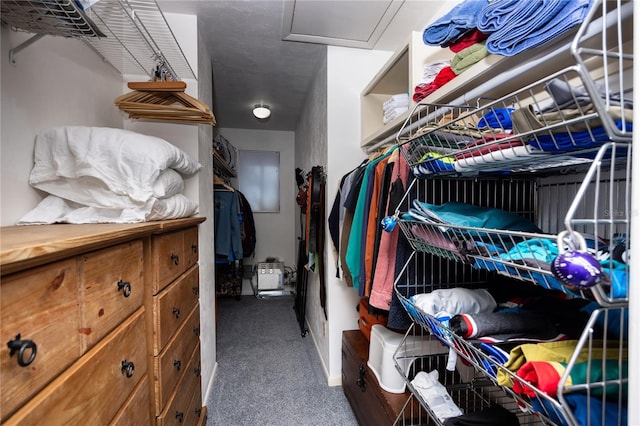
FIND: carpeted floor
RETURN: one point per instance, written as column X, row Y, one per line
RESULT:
column 267, row 373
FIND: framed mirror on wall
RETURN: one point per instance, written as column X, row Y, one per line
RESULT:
column 259, row 179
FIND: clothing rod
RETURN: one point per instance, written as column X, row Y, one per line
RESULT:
column 593, row 29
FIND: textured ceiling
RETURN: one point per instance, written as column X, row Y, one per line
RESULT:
column 251, row 63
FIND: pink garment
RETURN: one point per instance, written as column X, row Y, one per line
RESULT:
column 382, row 286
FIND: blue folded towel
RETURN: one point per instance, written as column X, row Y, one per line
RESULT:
column 531, row 23
column 563, row 142
column 497, row 118
column 494, row 15
column 454, row 24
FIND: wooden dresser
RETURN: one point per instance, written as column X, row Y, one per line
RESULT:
column 100, row 324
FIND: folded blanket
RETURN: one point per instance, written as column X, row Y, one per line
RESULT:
column 432, row 69
column 444, row 76
column 464, row 59
column 54, row 209
column 546, row 375
column 390, row 114
column 469, row 39
column 497, row 356
column 436, row 239
column 396, row 101
column 453, row 301
column 515, row 323
column 494, row 15
column 564, row 142
column 531, row 23
column 455, row 23
column 566, row 96
column 464, row 214
column 553, row 351
column 482, row 147
column 497, row 118
column 526, row 120
column 587, row 410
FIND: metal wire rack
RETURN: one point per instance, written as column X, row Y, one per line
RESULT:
column 132, row 35
column 600, row 211
column 468, row 389
column 596, row 373
column 557, row 121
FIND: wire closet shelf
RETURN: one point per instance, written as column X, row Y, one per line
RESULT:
column 573, row 119
column 132, row 35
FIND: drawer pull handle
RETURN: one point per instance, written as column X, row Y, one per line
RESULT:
column 22, row 346
column 127, row 368
column 196, row 331
column 196, row 371
column 179, row 416
column 177, row 364
column 196, row 291
column 194, row 248
column 176, row 312
column 360, row 382
column 125, row 286
column 175, row 259
column 198, row 411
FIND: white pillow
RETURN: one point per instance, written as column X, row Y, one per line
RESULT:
column 53, row 209
column 75, row 162
column 168, row 183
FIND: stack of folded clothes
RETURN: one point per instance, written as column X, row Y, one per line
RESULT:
column 509, row 26
column 395, row 106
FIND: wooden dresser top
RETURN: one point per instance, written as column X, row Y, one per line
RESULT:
column 23, row 247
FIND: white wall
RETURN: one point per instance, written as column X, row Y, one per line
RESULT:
column 55, row 82
column 349, row 71
column 328, row 134
column 275, row 232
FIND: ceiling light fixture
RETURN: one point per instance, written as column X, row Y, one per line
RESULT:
column 262, row 111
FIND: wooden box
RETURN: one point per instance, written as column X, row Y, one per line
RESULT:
column 372, row 405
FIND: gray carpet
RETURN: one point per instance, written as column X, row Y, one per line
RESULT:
column 267, row 373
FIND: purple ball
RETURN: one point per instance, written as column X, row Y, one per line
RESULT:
column 577, row 269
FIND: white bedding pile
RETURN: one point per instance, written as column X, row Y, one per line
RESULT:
column 106, row 175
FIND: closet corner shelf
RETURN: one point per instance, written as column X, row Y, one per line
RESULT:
column 220, row 165
column 132, row 35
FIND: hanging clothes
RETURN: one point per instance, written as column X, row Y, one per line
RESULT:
column 349, row 204
column 384, row 274
column 354, row 250
column 228, row 239
column 247, row 226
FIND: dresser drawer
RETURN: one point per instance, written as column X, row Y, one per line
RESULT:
column 40, row 305
column 136, row 409
column 191, row 250
column 195, row 414
column 171, row 307
column 169, row 366
column 92, row 390
column 180, row 404
column 111, row 289
column 172, row 254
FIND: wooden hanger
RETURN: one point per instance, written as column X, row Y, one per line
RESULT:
column 164, row 101
column 217, row 180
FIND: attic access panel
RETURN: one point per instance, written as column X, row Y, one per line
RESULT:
column 339, row 23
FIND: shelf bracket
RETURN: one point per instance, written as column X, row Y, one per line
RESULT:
column 13, row 52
